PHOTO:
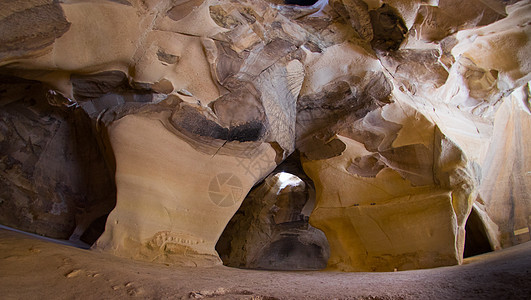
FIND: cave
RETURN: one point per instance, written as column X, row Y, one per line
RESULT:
column 257, row 149
column 278, row 208
column 300, row 2
column 476, row 238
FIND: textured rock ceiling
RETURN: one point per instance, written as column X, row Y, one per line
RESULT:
column 400, row 118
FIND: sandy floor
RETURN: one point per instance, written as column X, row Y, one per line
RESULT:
column 32, row 268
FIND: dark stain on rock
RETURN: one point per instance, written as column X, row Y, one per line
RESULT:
column 248, row 132
column 332, row 96
column 124, row 2
column 250, row 15
column 318, row 149
column 300, row 2
column 356, row 13
column 366, row 166
column 93, row 86
column 374, row 131
column 228, row 62
column 313, row 47
column 189, row 120
column 337, row 103
column 378, row 88
column 31, row 29
column 167, row 58
column 289, row 251
column 222, row 18
column 412, row 162
column 111, row 91
column 411, row 65
column 97, row 85
column 239, row 107
column 54, row 176
column 388, row 27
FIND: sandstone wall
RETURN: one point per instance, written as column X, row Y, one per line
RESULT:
column 407, row 116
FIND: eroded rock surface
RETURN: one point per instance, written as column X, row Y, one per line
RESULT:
column 407, row 115
column 54, row 178
column 271, row 229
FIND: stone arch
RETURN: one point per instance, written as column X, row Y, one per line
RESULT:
column 271, row 229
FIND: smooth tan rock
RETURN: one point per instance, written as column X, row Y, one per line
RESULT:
column 504, row 190
column 379, row 237
column 372, row 176
column 167, row 194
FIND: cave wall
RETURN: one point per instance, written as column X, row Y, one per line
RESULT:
column 55, row 181
column 406, row 114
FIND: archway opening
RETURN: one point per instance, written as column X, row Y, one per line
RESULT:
column 271, row 230
column 476, row 238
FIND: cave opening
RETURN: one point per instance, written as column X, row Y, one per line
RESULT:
column 287, row 179
column 476, row 238
column 95, row 230
column 70, row 188
column 271, row 229
column 300, row 2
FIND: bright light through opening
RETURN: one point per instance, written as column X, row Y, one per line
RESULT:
column 287, row 179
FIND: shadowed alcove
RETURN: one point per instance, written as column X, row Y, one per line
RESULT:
column 271, row 229
column 476, row 240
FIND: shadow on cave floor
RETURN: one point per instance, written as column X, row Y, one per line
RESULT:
column 77, row 244
column 35, row 268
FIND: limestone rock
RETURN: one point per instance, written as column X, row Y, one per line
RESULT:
column 172, row 228
column 357, row 13
column 412, row 67
column 30, row 26
column 386, row 176
column 410, row 117
column 447, row 155
column 504, row 194
column 435, row 22
column 54, row 179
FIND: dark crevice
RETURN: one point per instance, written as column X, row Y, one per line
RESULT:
column 476, row 239
column 300, row 2
column 95, row 230
column 70, row 183
column 280, row 225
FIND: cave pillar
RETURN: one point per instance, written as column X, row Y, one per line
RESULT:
column 174, row 201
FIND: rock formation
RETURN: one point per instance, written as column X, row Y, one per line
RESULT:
column 54, row 177
column 271, row 229
column 408, row 116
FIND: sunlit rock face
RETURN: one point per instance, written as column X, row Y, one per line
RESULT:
column 396, row 186
column 390, row 205
column 407, row 115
